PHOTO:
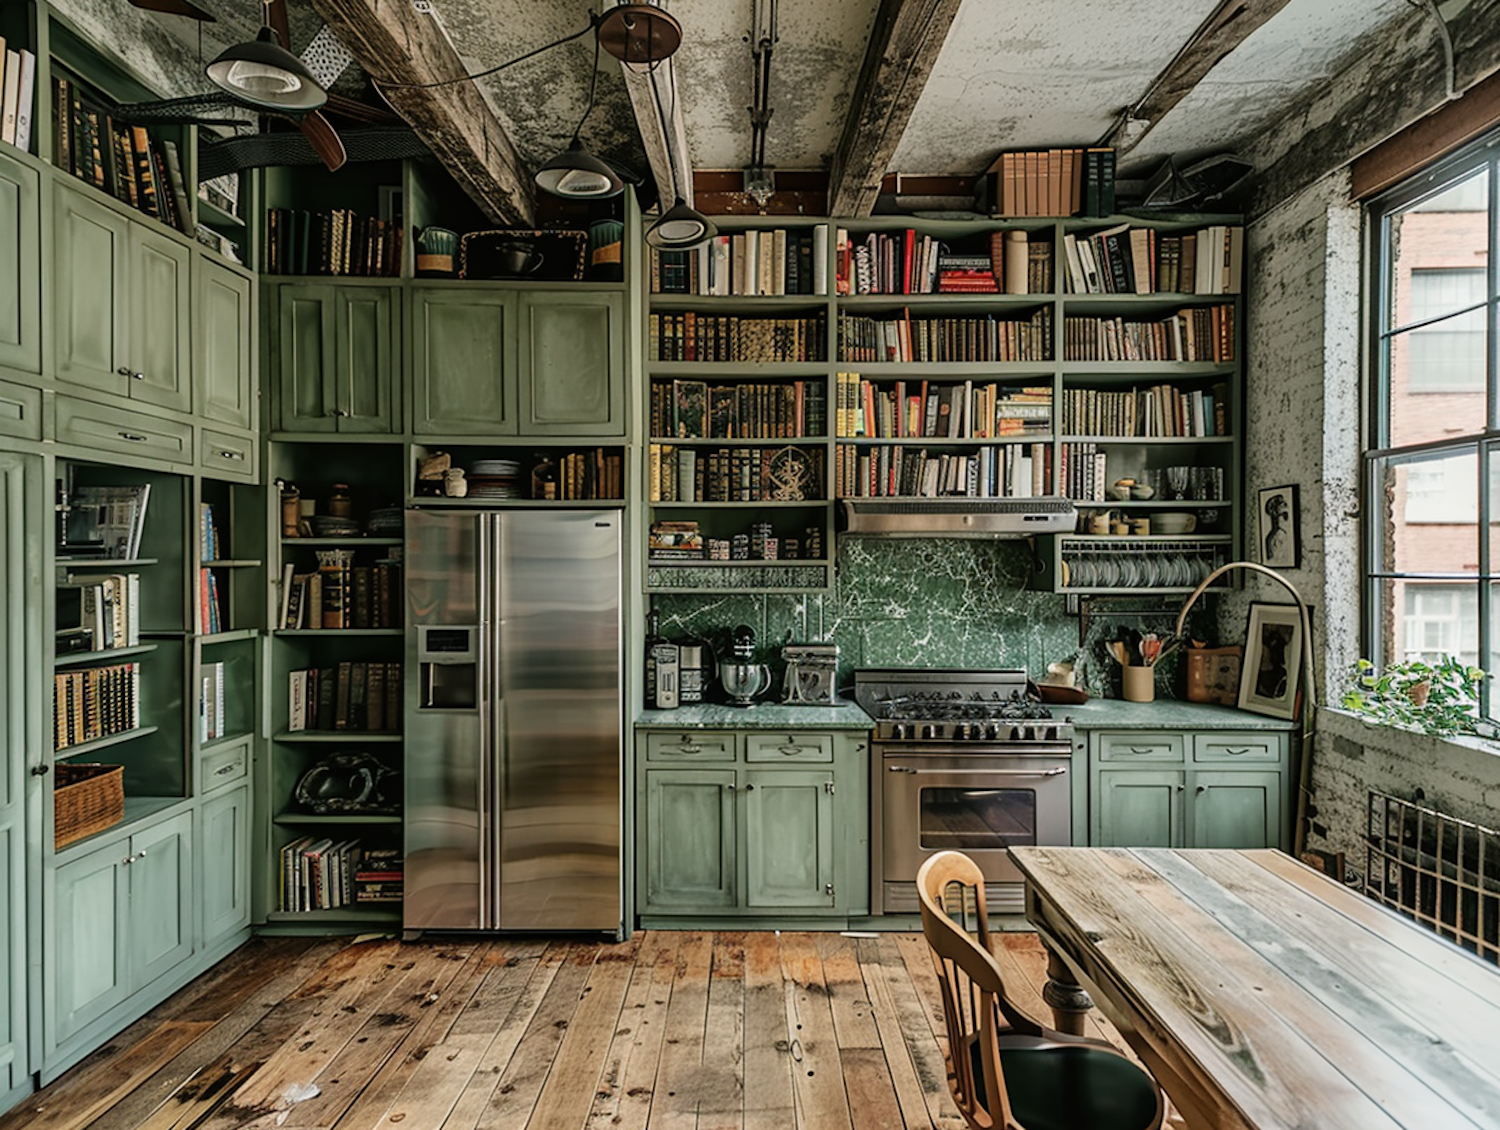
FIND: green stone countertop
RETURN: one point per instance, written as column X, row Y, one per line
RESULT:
column 761, row 716
column 1164, row 714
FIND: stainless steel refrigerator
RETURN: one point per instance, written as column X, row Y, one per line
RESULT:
column 515, row 718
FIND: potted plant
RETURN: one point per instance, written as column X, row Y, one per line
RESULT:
column 1439, row 698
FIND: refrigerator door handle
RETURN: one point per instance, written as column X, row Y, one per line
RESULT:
column 486, row 650
column 497, row 753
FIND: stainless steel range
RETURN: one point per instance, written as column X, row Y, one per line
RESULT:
column 961, row 760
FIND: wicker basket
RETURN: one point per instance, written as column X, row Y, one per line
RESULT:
column 86, row 799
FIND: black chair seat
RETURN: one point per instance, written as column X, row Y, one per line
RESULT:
column 1066, row 1087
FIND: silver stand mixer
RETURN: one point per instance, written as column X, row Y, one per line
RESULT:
column 743, row 679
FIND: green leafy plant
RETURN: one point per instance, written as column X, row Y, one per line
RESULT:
column 1438, row 698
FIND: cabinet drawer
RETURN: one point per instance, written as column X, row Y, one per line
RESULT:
column 690, row 745
column 1237, row 747
column 20, row 411
column 224, row 766
column 225, row 454
column 1142, row 746
column 789, row 747
column 117, row 429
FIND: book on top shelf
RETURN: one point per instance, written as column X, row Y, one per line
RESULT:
column 17, row 95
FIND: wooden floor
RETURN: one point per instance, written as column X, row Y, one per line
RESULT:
column 669, row 1031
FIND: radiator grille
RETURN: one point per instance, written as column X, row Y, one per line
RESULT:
column 1441, row 871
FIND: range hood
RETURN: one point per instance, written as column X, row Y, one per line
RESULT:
column 960, row 517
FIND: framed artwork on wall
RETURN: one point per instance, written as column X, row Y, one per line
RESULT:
column 1276, row 527
column 1270, row 679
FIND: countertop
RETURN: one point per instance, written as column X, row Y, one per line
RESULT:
column 761, row 716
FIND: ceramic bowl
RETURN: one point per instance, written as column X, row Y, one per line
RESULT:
column 1173, row 524
column 1142, row 491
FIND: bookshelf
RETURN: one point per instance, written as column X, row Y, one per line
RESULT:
column 964, row 357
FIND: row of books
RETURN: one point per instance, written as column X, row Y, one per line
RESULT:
column 1133, row 260
column 774, row 261
column 121, row 159
column 210, row 612
column 1081, row 472
column 732, row 474
column 691, row 336
column 95, row 703
column 1160, row 410
column 1050, row 182
column 17, row 95
column 587, row 475
column 211, row 700
column 105, row 521
column 341, row 594
column 933, row 410
column 99, row 611
column 210, row 548
column 319, row 873
column 1013, row 471
column 692, row 409
column 982, row 338
column 356, row 696
column 335, row 242
column 1198, row 333
column 903, row 262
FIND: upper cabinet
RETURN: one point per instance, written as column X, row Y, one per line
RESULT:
column 20, row 267
column 225, row 381
column 334, row 355
column 571, row 370
column 463, row 361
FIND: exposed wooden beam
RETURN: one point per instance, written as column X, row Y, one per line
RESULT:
column 674, row 176
column 398, row 47
column 1230, row 24
column 904, row 45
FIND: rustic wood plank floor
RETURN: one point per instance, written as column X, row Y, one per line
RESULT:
column 669, row 1031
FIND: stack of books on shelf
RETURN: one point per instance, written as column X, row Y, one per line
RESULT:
column 211, row 703
column 986, row 338
column 1197, row 333
column 1050, row 182
column 360, row 697
column 210, row 616
column 341, row 594
column 17, row 96
column 1012, row 471
column 590, row 475
column 379, row 876
column 932, row 410
column 208, row 533
column 1160, row 410
column 105, row 521
column 336, row 242
column 97, row 612
column 676, row 541
column 691, row 336
column 121, row 159
column 693, row 409
column 904, row 262
column 733, row 474
column 318, row 873
column 94, row 703
column 776, row 261
column 1133, row 260
column 1081, row 472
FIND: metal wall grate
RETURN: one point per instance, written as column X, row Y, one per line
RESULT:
column 1440, row 871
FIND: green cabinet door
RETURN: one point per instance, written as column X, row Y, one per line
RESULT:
column 160, row 319
column 571, row 364
column 224, row 382
column 1138, row 808
column 463, row 362
column 789, row 838
column 161, row 885
column 20, row 268
column 90, row 285
column 224, row 855
column 690, row 835
column 85, row 941
column 303, row 334
column 1236, row 809
column 365, row 359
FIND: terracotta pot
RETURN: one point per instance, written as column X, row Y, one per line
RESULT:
column 1418, row 692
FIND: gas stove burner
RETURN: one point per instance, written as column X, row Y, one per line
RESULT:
column 974, row 708
column 957, row 709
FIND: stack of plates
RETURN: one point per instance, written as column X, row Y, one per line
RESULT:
column 385, row 522
column 495, row 478
column 494, row 468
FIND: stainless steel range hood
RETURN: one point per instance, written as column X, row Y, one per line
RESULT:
column 959, row 517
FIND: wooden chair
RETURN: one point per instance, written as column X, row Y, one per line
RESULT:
column 1006, row 1071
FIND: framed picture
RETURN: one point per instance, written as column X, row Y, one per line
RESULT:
column 1276, row 527
column 1270, row 679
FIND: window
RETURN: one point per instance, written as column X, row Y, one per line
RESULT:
column 1432, row 466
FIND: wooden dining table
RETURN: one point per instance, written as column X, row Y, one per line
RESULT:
column 1262, row 994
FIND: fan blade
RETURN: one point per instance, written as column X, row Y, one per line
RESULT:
column 324, row 140
column 176, row 8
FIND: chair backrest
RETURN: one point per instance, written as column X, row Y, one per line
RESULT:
column 973, row 990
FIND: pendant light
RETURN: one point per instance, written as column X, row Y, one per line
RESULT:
column 575, row 173
column 681, row 227
column 263, row 73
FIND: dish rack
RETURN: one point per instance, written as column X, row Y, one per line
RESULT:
column 1143, row 563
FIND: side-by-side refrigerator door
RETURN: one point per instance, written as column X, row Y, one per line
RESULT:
column 559, row 720
column 449, row 836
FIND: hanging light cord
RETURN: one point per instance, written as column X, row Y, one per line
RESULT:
column 593, row 25
column 588, row 107
column 666, row 127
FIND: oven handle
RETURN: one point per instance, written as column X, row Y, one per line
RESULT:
column 977, row 772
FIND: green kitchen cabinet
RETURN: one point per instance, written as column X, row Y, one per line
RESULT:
column 223, row 359
column 570, row 364
column 463, row 358
column 20, row 268
column 1139, row 808
column 336, row 355
column 789, row 838
column 1236, row 809
column 224, row 862
column 121, row 303
column 691, row 837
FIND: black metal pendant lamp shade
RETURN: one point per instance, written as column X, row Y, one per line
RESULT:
column 263, row 73
column 577, row 174
column 680, row 227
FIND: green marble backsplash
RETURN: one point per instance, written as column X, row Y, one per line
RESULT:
column 915, row 603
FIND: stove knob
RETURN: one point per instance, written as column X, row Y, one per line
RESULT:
column 899, row 731
column 929, row 731
column 992, row 732
column 961, row 731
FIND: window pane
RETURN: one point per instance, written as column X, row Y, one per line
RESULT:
column 1488, row 694
column 1445, row 234
column 1429, row 514
column 1446, row 355
column 1439, row 619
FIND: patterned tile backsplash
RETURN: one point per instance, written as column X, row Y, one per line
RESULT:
column 938, row 603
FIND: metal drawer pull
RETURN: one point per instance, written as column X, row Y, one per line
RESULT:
column 749, row 788
column 232, row 454
column 223, row 769
column 40, row 770
column 1236, row 752
column 729, row 787
column 126, row 372
column 127, row 861
column 978, row 772
column 137, row 376
column 1143, row 752
column 141, row 854
column 790, row 750
column 132, row 437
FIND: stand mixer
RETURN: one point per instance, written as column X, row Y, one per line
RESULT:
column 742, row 678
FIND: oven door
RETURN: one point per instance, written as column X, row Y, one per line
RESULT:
column 963, row 799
